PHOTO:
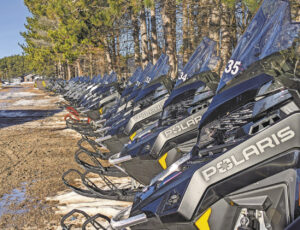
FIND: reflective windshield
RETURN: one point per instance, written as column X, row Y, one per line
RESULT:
column 203, row 59
column 143, row 75
column 270, row 31
column 135, row 75
column 112, row 78
column 160, row 68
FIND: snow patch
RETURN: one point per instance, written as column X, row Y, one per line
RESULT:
column 13, row 95
column 42, row 102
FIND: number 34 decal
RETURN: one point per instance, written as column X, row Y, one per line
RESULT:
column 233, row 67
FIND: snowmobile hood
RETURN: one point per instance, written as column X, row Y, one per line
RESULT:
column 179, row 91
column 270, row 32
column 119, row 125
column 146, row 91
column 136, row 148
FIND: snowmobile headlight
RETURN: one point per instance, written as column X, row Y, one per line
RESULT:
column 173, row 198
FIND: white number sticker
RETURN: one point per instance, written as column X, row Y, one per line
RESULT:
column 183, row 77
column 233, row 67
column 148, row 79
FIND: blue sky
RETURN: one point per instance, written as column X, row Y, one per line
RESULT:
column 13, row 15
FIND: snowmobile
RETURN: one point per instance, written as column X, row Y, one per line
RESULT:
column 243, row 173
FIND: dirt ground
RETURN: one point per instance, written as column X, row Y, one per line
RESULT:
column 34, row 154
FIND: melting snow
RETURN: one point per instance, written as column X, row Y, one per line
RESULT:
column 16, row 94
column 42, row 102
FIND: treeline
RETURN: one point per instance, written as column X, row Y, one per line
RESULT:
column 13, row 66
column 66, row 38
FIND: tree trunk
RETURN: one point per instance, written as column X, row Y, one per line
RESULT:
column 192, row 31
column 214, row 20
column 154, row 34
column 225, row 49
column 108, row 56
column 149, row 28
column 91, row 65
column 79, row 68
column 203, row 17
column 143, row 28
column 185, row 30
column 118, row 62
column 69, row 76
column 60, row 69
column 295, row 10
column 169, row 20
column 136, row 39
column 113, row 52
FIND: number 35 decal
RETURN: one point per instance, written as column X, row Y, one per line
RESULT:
column 233, row 67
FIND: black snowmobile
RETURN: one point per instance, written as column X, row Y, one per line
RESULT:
column 176, row 131
column 244, row 170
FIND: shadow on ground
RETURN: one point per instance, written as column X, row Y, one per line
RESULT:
column 17, row 117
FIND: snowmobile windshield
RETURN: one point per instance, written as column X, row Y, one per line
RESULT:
column 112, row 78
column 139, row 81
column 98, row 79
column 135, row 76
column 203, row 59
column 160, row 68
column 270, row 31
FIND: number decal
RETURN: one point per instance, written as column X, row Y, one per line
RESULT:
column 229, row 66
column 183, row 77
column 233, row 67
column 148, row 79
